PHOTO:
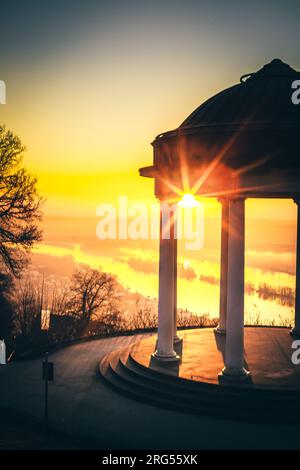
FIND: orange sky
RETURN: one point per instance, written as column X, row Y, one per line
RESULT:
column 88, row 96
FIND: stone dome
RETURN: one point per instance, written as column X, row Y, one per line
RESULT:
column 244, row 139
column 263, row 97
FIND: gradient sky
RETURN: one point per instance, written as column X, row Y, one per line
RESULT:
column 91, row 83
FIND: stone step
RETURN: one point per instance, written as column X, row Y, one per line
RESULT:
column 157, row 398
column 127, row 376
column 160, row 389
column 216, row 390
column 218, row 400
column 200, row 406
column 112, row 358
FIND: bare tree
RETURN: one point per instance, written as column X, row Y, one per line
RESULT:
column 91, row 295
column 28, row 306
column 109, row 321
column 60, row 300
column 19, row 205
column 143, row 318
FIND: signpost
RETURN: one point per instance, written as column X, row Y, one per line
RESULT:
column 48, row 375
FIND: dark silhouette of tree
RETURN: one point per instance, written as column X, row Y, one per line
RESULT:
column 20, row 205
column 91, row 294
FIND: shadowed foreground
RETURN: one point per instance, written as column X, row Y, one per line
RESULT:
column 84, row 407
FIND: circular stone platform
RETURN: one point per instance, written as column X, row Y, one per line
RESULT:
column 272, row 394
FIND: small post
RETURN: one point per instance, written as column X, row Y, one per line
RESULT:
column 48, row 374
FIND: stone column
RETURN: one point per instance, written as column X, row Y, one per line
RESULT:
column 221, row 328
column 234, row 370
column 165, row 336
column 296, row 330
column 177, row 339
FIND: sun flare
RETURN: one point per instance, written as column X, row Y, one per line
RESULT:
column 188, row 201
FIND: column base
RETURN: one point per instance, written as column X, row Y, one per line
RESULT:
column 295, row 333
column 177, row 340
column 174, row 358
column 230, row 376
column 219, row 330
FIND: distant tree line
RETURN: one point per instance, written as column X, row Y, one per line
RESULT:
column 89, row 305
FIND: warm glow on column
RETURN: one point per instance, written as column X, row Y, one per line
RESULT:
column 188, row 201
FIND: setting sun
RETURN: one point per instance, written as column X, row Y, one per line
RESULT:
column 188, row 201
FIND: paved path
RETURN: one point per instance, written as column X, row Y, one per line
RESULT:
column 82, row 405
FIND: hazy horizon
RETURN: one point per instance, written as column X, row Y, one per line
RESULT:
column 270, row 263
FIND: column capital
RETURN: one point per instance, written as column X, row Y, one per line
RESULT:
column 222, row 199
column 232, row 198
column 237, row 198
column 172, row 204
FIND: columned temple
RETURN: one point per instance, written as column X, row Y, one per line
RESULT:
column 241, row 143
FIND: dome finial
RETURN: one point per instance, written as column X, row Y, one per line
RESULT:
column 274, row 69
